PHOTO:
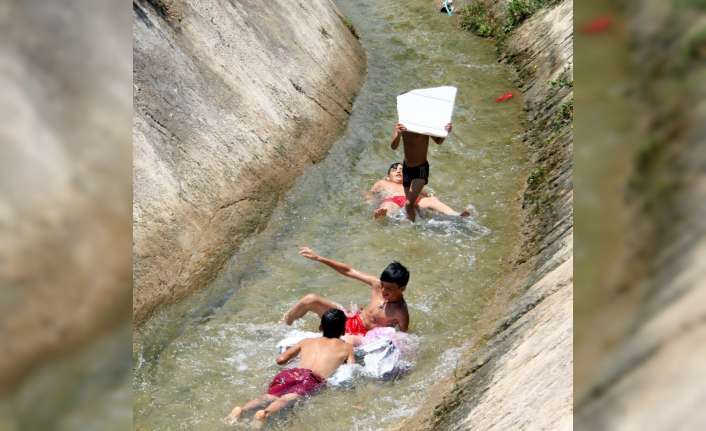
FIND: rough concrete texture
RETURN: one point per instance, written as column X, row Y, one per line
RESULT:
column 518, row 375
column 542, row 51
column 65, row 268
column 520, row 379
column 232, row 101
column 654, row 378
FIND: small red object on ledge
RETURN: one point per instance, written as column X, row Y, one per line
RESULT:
column 598, row 25
column 504, row 97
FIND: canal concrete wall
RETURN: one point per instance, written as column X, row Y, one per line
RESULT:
column 652, row 376
column 232, row 101
column 65, row 192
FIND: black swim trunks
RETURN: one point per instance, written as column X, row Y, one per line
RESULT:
column 411, row 173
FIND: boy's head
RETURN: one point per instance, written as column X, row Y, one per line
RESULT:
column 394, row 173
column 333, row 323
column 394, row 280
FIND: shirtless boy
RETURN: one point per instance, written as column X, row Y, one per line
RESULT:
column 415, row 170
column 393, row 196
column 387, row 306
column 320, row 357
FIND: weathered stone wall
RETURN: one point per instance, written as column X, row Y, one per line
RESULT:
column 65, row 190
column 654, row 378
column 232, row 101
column 518, row 374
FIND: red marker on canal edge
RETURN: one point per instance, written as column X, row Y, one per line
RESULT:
column 598, row 25
column 504, row 97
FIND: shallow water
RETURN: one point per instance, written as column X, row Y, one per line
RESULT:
column 217, row 349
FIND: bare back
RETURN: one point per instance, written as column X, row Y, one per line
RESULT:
column 324, row 355
column 415, row 148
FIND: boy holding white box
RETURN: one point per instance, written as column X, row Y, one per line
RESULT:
column 421, row 115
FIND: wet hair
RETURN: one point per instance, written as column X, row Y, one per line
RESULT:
column 393, row 166
column 333, row 323
column 395, row 273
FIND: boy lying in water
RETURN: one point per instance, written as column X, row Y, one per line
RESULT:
column 392, row 192
column 320, row 357
column 387, row 306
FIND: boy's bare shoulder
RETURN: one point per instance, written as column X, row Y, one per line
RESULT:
column 378, row 185
column 343, row 346
column 402, row 307
column 402, row 316
column 348, row 348
column 309, row 342
column 377, row 284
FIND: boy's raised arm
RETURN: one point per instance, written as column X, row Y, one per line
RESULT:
column 438, row 140
column 396, row 135
column 340, row 267
column 289, row 354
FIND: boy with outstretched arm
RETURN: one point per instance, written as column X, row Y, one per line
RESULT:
column 386, row 308
column 415, row 169
column 320, row 357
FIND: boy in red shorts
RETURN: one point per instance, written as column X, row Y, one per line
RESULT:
column 386, row 308
column 320, row 357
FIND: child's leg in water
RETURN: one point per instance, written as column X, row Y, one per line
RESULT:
column 411, row 193
column 276, row 406
column 435, row 204
column 310, row 302
column 257, row 403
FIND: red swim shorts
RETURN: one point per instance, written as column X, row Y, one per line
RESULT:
column 355, row 326
column 399, row 200
column 300, row 381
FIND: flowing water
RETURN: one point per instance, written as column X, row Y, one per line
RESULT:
column 192, row 363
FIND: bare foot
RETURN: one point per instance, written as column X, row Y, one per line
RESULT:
column 380, row 213
column 233, row 417
column 260, row 418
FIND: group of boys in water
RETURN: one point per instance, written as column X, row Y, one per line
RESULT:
column 343, row 330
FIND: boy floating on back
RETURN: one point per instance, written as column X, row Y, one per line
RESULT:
column 390, row 190
column 320, row 357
